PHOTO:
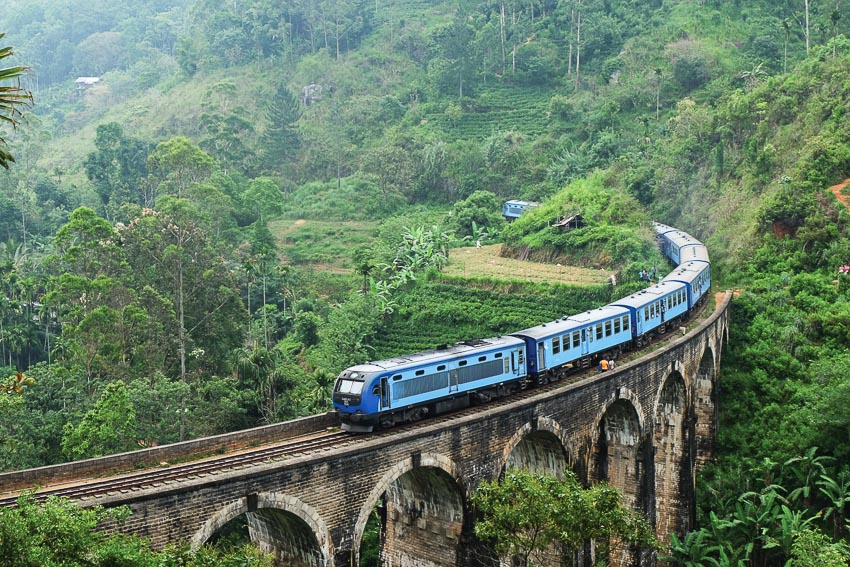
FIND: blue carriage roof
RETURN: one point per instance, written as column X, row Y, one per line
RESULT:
column 662, row 228
column 572, row 322
column 650, row 294
column 687, row 272
column 434, row 355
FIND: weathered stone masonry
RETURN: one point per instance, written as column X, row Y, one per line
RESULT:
column 644, row 428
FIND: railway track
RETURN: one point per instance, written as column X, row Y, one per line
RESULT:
column 82, row 489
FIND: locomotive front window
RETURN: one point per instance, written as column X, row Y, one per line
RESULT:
column 350, row 387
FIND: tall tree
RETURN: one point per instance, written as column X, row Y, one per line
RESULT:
column 118, row 167
column 169, row 251
column 12, row 99
column 281, row 139
column 177, row 164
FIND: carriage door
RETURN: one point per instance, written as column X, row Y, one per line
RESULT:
column 385, row 393
column 541, row 356
column 453, row 380
column 585, row 347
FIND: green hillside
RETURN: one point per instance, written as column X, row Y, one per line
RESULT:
column 257, row 194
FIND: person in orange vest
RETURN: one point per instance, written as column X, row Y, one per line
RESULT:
column 603, row 365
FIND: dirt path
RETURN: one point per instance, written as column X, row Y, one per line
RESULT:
column 836, row 190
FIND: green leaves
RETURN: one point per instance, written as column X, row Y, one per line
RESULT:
column 527, row 516
column 12, row 99
column 109, row 427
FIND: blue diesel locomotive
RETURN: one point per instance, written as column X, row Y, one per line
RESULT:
column 407, row 388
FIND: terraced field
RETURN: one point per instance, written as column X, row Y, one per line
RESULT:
column 505, row 108
column 323, row 245
column 485, row 262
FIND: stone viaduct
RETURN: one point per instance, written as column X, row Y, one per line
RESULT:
column 645, row 428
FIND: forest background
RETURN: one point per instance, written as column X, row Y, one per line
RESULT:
column 257, row 194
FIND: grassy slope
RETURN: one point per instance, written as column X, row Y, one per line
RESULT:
column 487, row 262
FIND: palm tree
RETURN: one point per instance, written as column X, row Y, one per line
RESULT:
column 806, row 471
column 12, row 99
column 837, row 492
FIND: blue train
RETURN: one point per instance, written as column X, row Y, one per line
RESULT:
column 407, row 388
column 513, row 209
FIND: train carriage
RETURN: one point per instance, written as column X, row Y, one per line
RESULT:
column 696, row 276
column 575, row 341
column 655, row 307
column 408, row 387
column 681, row 247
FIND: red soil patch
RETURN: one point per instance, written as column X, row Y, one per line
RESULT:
column 836, row 190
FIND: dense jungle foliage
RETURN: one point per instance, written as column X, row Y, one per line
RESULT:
column 150, row 294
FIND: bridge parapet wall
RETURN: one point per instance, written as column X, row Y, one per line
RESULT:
column 172, row 453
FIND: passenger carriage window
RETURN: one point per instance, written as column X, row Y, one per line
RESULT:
column 646, row 313
column 576, row 339
column 599, row 332
column 589, row 334
column 556, row 345
column 420, row 372
column 507, row 366
column 441, row 367
column 616, row 325
column 607, row 328
column 625, row 322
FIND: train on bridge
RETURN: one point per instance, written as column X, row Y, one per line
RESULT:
column 407, row 388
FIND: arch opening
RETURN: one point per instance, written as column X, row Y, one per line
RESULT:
column 705, row 408
column 282, row 526
column 286, row 536
column 539, row 452
column 418, row 520
column 622, row 463
column 672, row 470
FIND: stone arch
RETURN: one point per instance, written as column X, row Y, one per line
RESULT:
column 620, row 450
column 540, row 446
column 282, row 525
column 218, row 520
column 705, row 406
column 443, row 474
column 672, row 471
